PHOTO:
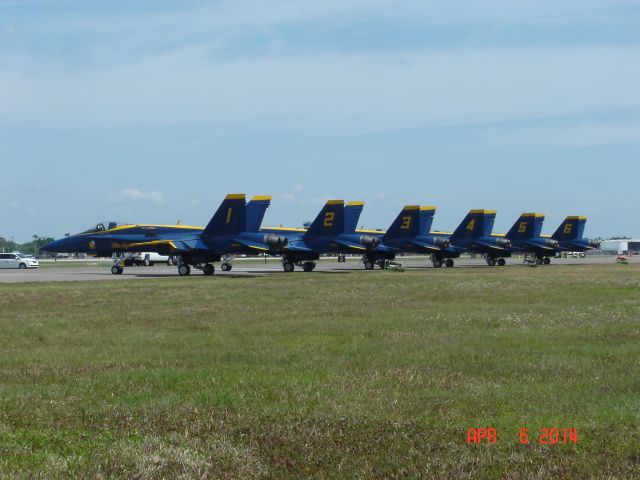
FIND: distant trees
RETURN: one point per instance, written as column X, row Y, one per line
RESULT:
column 29, row 247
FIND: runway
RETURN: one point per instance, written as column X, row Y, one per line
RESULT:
column 68, row 271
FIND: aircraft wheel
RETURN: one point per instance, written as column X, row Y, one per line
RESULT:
column 226, row 267
column 491, row 261
column 288, row 267
column 538, row 261
column 502, row 262
column 308, row 266
column 449, row 262
column 547, row 260
column 437, row 262
column 184, row 270
column 208, row 269
column 115, row 270
column 368, row 265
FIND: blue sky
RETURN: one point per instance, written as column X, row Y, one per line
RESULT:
column 152, row 111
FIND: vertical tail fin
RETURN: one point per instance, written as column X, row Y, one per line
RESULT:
column 230, row 218
column 352, row 211
column 529, row 225
column 570, row 229
column 330, row 220
column 406, row 224
column 426, row 220
column 256, row 209
column 477, row 223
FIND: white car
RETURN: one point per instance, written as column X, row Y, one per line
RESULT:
column 148, row 259
column 17, row 260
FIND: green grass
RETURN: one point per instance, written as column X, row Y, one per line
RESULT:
column 359, row 375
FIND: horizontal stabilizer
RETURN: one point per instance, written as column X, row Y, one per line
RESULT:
column 492, row 246
column 348, row 244
column 426, row 246
column 541, row 246
column 263, row 247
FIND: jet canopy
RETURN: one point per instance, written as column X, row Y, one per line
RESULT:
column 102, row 226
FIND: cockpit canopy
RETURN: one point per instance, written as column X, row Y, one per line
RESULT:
column 102, row 226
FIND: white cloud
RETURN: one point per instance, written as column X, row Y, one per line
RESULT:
column 336, row 92
column 139, row 195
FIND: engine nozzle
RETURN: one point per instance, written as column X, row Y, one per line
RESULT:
column 552, row 243
column 441, row 242
column 369, row 241
column 277, row 241
column 594, row 243
column 503, row 242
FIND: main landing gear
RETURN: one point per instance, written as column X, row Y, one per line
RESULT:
column 290, row 266
column 438, row 261
column 493, row 261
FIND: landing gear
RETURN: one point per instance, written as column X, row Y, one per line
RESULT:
column 449, row 263
column 308, row 266
column 502, row 262
column 288, row 266
column 382, row 264
column 539, row 261
column 342, row 258
column 226, row 263
column 184, row 269
column 208, row 269
column 437, row 262
column 368, row 265
column 547, row 260
column 116, row 270
column 491, row 261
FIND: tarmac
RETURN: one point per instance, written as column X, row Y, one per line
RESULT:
column 65, row 271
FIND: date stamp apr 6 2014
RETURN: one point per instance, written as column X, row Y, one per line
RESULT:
column 544, row 436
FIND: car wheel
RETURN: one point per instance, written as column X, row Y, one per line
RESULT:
column 22, row 266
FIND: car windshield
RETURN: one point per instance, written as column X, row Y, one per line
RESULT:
column 102, row 226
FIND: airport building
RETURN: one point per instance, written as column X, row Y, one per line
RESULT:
column 624, row 247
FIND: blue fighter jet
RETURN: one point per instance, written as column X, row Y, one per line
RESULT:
column 474, row 235
column 326, row 234
column 230, row 232
column 569, row 235
column 409, row 233
column 525, row 236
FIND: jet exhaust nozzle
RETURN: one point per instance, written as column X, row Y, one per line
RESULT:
column 503, row 242
column 442, row 242
column 553, row 243
column 277, row 241
column 369, row 241
column 594, row 243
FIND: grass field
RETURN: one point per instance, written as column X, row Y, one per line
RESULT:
column 358, row 375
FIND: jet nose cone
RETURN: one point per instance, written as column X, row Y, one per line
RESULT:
column 52, row 246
